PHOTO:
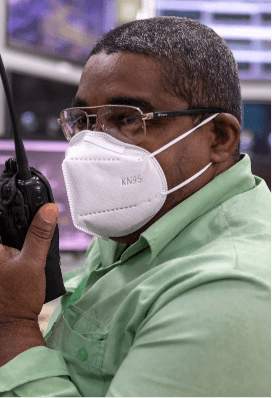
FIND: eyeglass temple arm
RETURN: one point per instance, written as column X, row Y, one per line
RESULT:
column 60, row 122
column 157, row 115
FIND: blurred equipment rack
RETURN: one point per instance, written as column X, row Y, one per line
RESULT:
column 245, row 25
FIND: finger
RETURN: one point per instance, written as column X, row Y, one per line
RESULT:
column 40, row 233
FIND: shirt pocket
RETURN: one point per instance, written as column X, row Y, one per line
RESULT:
column 81, row 338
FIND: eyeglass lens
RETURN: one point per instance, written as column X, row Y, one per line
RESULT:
column 123, row 123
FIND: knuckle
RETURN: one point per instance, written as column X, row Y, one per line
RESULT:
column 41, row 233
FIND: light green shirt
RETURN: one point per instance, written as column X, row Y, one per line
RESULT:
column 185, row 311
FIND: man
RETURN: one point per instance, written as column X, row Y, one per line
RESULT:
column 176, row 302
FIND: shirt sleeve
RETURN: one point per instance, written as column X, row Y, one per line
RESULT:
column 213, row 340
column 37, row 372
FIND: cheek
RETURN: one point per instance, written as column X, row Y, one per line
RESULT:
column 184, row 158
column 174, row 160
column 158, row 134
column 175, row 163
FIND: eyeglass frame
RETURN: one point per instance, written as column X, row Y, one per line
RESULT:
column 146, row 116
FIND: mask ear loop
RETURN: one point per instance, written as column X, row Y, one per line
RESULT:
column 181, row 136
column 176, row 140
column 187, row 181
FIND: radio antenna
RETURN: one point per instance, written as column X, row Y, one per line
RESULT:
column 23, row 168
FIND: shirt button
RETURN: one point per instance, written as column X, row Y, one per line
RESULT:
column 83, row 354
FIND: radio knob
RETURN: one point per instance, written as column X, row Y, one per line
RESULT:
column 10, row 166
column 38, row 200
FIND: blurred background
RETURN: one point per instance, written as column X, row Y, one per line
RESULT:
column 45, row 43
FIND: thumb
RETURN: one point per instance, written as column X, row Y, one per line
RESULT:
column 40, row 233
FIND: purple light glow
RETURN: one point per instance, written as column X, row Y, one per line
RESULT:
column 37, row 146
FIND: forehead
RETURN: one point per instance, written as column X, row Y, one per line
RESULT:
column 124, row 75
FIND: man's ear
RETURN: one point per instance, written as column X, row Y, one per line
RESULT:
column 227, row 133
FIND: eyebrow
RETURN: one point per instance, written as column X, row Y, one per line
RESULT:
column 132, row 101
column 78, row 102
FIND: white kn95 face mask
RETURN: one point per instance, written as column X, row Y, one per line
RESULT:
column 115, row 188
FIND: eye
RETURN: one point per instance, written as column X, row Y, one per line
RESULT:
column 78, row 123
column 127, row 120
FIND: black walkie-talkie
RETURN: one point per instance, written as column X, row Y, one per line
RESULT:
column 23, row 190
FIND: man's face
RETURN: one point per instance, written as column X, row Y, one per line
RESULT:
column 134, row 79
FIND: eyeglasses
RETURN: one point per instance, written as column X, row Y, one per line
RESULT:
column 123, row 122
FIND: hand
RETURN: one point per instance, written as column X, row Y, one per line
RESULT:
column 22, row 277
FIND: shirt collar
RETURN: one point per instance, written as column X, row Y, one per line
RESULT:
column 233, row 181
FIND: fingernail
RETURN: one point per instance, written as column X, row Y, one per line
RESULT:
column 49, row 212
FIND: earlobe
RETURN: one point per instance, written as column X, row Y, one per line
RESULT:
column 227, row 133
